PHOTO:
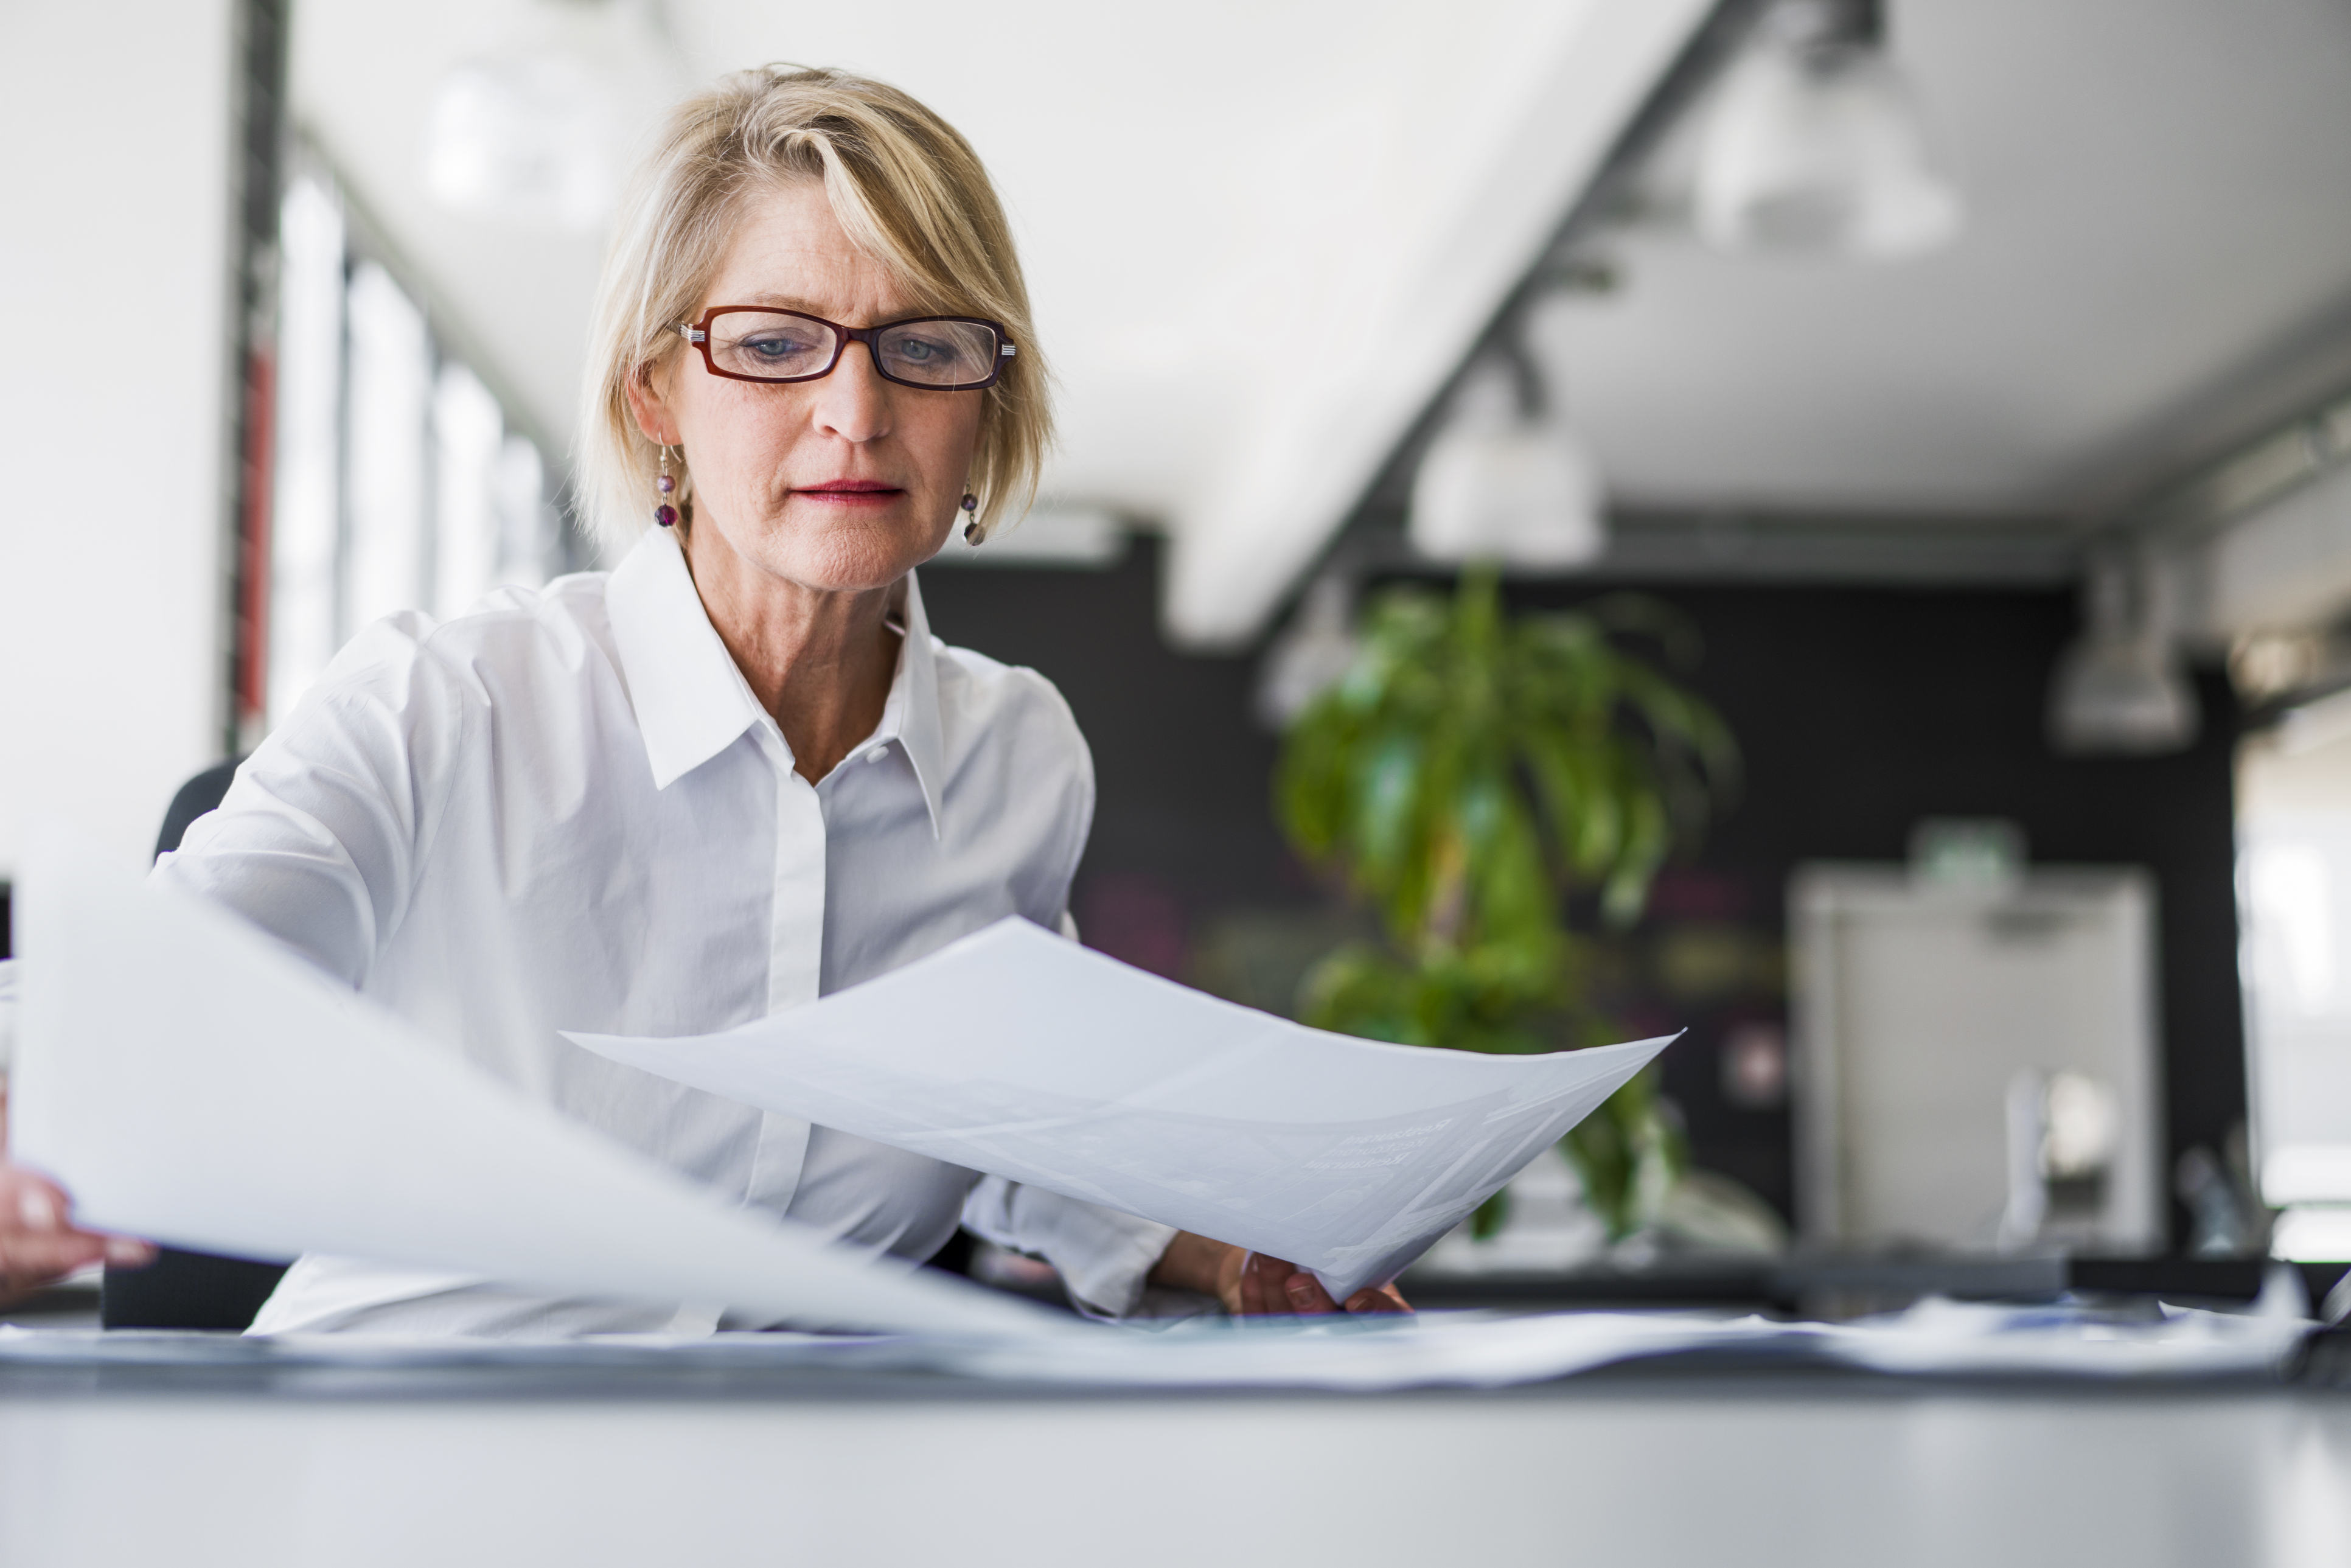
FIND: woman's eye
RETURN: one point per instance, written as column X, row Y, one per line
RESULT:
column 917, row 351
column 775, row 348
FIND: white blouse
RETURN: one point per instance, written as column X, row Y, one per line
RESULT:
column 567, row 810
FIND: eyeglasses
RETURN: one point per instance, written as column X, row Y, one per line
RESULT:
column 937, row 353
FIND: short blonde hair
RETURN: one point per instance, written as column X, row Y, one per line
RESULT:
column 909, row 191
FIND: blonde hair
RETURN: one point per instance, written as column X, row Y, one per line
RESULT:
column 905, row 187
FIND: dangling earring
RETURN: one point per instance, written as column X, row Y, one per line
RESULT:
column 664, row 513
column 971, row 533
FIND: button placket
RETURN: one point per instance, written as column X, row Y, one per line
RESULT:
column 795, row 956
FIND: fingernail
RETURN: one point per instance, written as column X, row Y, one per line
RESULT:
column 37, row 1209
column 1300, row 1288
column 123, row 1250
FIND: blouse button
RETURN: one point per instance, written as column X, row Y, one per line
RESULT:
column 877, row 754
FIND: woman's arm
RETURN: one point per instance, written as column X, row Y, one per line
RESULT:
column 319, row 839
column 1251, row 1284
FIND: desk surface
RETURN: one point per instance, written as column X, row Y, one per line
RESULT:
column 1680, row 1461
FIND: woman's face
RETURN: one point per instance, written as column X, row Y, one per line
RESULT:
column 840, row 484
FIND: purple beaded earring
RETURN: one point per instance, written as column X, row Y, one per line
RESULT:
column 971, row 535
column 664, row 513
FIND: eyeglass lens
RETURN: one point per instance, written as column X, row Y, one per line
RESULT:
column 782, row 347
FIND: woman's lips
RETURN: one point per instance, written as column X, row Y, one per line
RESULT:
column 851, row 493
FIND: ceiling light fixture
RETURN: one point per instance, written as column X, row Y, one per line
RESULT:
column 527, row 138
column 1816, row 144
column 2120, row 689
column 1311, row 655
column 1505, row 479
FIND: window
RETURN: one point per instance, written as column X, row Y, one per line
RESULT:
column 401, row 483
column 2293, row 871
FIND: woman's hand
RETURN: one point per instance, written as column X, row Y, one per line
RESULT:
column 39, row 1243
column 1251, row 1284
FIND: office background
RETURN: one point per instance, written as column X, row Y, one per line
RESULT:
column 1888, row 488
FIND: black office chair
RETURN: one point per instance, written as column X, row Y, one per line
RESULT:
column 188, row 1290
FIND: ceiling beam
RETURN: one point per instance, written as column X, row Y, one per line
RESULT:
column 1305, row 467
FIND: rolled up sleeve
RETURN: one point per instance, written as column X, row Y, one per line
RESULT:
column 1105, row 1258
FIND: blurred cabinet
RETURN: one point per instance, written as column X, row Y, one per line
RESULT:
column 1933, row 1026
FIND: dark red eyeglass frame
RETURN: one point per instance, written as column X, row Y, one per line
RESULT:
column 698, row 334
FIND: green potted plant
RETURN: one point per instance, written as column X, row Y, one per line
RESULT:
column 1471, row 772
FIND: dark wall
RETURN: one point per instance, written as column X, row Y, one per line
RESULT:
column 1182, row 831
column 1858, row 711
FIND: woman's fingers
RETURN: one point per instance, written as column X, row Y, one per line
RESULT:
column 1307, row 1297
column 28, row 1263
column 38, row 1241
column 1270, row 1286
column 1254, row 1299
column 128, row 1252
column 1264, row 1286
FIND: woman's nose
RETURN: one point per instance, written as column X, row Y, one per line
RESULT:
column 853, row 403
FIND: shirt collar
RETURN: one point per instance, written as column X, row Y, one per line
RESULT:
column 691, row 701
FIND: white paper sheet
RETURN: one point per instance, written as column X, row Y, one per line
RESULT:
column 189, row 1081
column 1019, row 1053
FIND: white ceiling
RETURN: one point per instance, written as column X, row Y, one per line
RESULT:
column 1231, row 211
column 2159, row 259
column 1212, row 197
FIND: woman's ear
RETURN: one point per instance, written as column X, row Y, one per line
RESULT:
column 643, row 391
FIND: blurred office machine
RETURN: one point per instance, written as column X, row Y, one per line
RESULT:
column 1975, row 1055
column 2294, row 846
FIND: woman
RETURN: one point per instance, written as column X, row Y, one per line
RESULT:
column 735, row 773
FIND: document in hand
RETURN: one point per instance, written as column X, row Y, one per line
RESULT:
column 189, row 1081
column 1019, row 1053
